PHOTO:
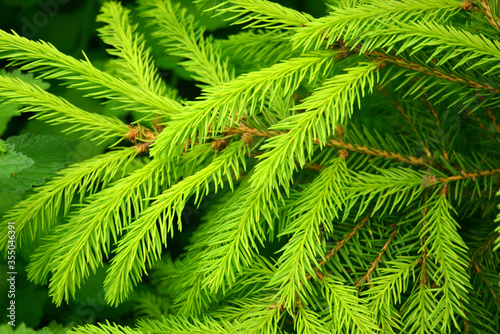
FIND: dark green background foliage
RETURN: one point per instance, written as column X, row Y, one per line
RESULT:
column 248, row 166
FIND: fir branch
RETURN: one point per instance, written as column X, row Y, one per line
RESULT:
column 144, row 240
column 53, row 64
column 261, row 14
column 366, row 277
column 130, row 46
column 35, row 215
column 351, row 22
column 55, row 110
column 300, row 252
column 346, row 311
column 181, row 36
column 387, row 288
column 448, row 251
column 224, row 105
column 85, row 239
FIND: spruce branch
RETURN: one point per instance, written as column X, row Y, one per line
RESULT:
column 417, row 310
column 308, row 321
column 386, row 291
column 485, row 8
column 235, row 246
column 55, row 110
column 242, row 49
column 181, row 37
column 259, row 319
column 325, row 108
column 143, row 240
column 452, row 282
column 393, row 188
column 366, row 277
column 435, row 72
column 381, row 109
column 181, row 324
column 104, row 328
column 351, row 22
column 346, row 310
column 411, row 123
column 300, row 253
column 35, row 215
column 469, row 175
column 137, row 64
column 473, row 51
column 340, row 244
column 260, row 14
column 493, row 120
column 224, row 105
column 479, row 272
column 338, row 143
column 44, row 58
column 85, row 239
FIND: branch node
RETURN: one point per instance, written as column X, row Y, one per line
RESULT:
column 219, row 145
column 343, row 154
column 467, row 5
column 247, row 137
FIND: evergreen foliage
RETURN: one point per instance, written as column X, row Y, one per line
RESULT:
column 345, row 168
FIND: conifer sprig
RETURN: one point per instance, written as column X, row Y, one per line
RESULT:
column 300, row 254
column 45, row 59
column 35, row 215
column 130, row 46
column 447, row 250
column 260, row 14
column 352, row 22
column 182, row 37
column 224, row 105
column 86, row 238
column 55, row 110
column 143, row 240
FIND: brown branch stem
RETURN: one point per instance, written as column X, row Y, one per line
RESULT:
column 378, row 259
column 340, row 244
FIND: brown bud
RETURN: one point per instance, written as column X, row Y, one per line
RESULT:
column 467, row 5
column 247, row 137
column 343, row 154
